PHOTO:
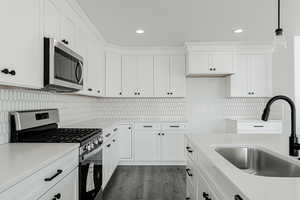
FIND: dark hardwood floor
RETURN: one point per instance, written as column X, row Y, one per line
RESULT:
column 147, row 183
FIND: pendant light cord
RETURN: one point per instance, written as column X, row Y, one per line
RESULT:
column 278, row 14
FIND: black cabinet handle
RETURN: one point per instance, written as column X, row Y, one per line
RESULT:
column 147, row 126
column 237, row 197
column 65, row 41
column 174, row 126
column 187, row 198
column 214, row 69
column 189, row 149
column 5, row 71
column 158, row 133
column 108, row 145
column 114, row 140
column 107, row 135
column 258, row 126
column 171, row 93
column 168, row 93
column 139, row 93
column 12, row 72
column 188, row 171
column 129, row 128
column 120, row 93
column 115, row 129
column 58, row 172
column 98, row 91
column 163, row 134
column 57, row 196
column 90, row 89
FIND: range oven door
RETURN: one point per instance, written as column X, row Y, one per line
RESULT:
column 63, row 68
column 90, row 175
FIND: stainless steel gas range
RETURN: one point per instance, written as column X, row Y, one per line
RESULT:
column 41, row 126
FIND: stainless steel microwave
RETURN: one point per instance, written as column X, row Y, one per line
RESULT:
column 63, row 68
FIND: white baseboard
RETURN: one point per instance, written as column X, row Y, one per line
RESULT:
column 152, row 163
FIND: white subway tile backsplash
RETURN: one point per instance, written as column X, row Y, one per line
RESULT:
column 74, row 108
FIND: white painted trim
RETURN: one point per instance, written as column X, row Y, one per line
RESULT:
column 153, row 163
column 163, row 50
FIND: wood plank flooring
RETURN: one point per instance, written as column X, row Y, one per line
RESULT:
column 147, row 183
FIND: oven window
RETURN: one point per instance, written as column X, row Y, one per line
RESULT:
column 66, row 67
column 97, row 178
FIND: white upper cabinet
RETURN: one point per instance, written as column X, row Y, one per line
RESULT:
column 209, row 60
column 162, row 76
column 210, row 64
column 169, row 76
column 113, row 74
column 52, row 19
column 129, row 76
column 145, row 74
column 253, row 77
column 21, row 44
column 177, row 76
column 59, row 22
column 137, row 76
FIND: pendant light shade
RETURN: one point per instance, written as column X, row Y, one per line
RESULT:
column 279, row 39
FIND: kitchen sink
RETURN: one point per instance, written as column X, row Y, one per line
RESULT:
column 259, row 162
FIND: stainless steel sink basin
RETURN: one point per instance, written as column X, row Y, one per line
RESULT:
column 258, row 162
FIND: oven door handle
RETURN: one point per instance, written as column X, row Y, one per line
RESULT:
column 86, row 156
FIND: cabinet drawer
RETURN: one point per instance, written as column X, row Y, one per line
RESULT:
column 38, row 183
column 191, row 172
column 66, row 189
column 260, row 127
column 146, row 126
column 191, row 191
column 190, row 150
column 174, row 126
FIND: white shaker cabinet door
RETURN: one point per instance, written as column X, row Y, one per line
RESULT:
column 198, row 63
column 162, row 76
column 177, row 76
column 240, row 82
column 113, row 75
column 222, row 63
column 146, row 146
column 261, row 75
column 125, row 142
column 145, row 73
column 52, row 20
column 172, row 146
column 21, row 44
column 129, row 76
column 66, row 189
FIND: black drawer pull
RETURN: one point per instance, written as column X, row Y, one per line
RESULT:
column 114, row 140
column 148, row 126
column 115, row 129
column 90, row 89
column 57, row 196
column 108, row 145
column 65, row 41
column 237, row 197
column 188, row 171
column 5, row 71
column 205, row 195
column 189, row 149
column 59, row 171
column 258, row 126
column 12, row 72
column 107, row 135
column 174, row 126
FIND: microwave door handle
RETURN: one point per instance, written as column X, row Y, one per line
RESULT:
column 81, row 67
column 76, row 73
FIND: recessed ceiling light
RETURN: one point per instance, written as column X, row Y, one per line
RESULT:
column 140, row 31
column 238, row 30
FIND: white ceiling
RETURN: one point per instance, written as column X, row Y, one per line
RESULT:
column 172, row 22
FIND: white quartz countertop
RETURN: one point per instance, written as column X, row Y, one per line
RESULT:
column 252, row 186
column 20, row 160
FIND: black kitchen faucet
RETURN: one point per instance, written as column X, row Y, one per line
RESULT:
column 294, row 146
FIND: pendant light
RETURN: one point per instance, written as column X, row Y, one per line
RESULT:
column 279, row 39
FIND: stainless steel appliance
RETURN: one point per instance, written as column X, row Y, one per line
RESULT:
column 63, row 68
column 42, row 126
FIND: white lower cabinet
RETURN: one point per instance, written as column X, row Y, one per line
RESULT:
column 203, row 181
column 66, row 189
column 111, row 158
column 158, row 143
column 125, row 135
column 146, row 145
